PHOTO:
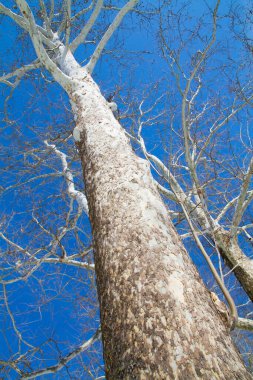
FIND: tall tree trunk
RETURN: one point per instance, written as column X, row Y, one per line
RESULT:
column 158, row 320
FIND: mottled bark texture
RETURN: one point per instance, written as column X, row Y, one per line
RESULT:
column 236, row 259
column 158, row 319
column 227, row 245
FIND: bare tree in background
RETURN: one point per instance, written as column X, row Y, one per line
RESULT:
column 158, row 320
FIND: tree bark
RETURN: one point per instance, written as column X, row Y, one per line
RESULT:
column 235, row 258
column 230, row 251
column 158, row 319
column 227, row 245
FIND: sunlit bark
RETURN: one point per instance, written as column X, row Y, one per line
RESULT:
column 158, row 320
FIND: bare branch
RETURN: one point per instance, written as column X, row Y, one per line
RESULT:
column 46, row 259
column 66, row 359
column 190, row 156
column 240, row 201
column 114, row 25
column 244, row 324
column 19, row 72
column 38, row 46
column 18, row 333
column 233, row 310
column 73, row 193
column 18, row 19
column 22, row 22
column 84, row 32
column 67, row 261
column 51, row 14
column 68, row 27
column 215, row 127
column 45, row 17
column 82, row 11
column 225, row 209
column 42, row 176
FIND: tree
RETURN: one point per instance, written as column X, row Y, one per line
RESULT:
column 157, row 318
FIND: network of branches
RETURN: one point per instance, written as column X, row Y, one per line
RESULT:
column 181, row 75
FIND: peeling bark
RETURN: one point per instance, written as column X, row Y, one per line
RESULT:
column 158, row 319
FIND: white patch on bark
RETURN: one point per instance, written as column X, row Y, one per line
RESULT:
column 149, row 323
column 77, row 134
column 113, row 106
column 188, row 317
column 139, row 286
column 176, row 287
column 149, row 341
column 173, row 261
column 162, row 287
column 159, row 341
column 153, row 243
column 179, row 353
column 152, row 208
column 174, row 368
column 163, row 320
